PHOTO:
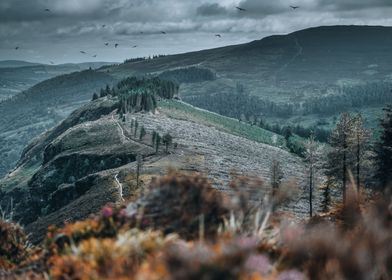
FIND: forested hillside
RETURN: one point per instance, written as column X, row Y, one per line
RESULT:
column 43, row 106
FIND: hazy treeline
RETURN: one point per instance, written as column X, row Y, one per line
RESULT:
column 188, row 75
column 237, row 103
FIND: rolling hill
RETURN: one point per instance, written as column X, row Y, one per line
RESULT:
column 304, row 78
column 17, row 76
column 89, row 159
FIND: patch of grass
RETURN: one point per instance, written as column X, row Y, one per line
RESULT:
column 181, row 110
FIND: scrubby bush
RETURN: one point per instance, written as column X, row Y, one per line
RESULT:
column 13, row 244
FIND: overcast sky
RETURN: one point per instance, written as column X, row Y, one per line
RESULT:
column 72, row 26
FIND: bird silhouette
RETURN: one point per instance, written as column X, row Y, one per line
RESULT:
column 106, row 44
column 16, row 48
column 241, row 9
column 51, row 62
column 218, row 35
column 135, row 46
column 294, row 7
column 116, row 45
column 94, row 55
column 163, row 32
column 103, row 25
column 83, row 52
column 47, row 10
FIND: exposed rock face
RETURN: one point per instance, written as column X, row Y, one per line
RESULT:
column 90, row 160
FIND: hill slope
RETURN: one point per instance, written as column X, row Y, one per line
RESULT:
column 40, row 108
column 318, row 71
column 306, row 77
column 17, row 76
column 90, row 159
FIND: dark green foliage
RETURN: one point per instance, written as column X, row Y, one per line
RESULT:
column 384, row 150
column 167, row 140
column 295, row 146
column 157, row 142
column 154, row 136
column 188, row 75
column 138, row 59
column 95, row 96
column 136, row 127
column 287, row 132
column 141, row 94
column 142, row 133
column 236, row 102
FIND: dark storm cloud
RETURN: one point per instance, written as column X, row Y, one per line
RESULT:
column 189, row 24
column 211, row 9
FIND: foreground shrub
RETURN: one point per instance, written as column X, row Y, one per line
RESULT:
column 186, row 205
column 13, row 244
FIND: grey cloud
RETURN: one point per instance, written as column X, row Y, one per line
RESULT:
column 74, row 23
column 211, row 9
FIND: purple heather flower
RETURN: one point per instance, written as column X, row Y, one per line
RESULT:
column 107, row 212
column 291, row 275
column 258, row 263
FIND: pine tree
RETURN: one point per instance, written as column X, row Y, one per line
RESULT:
column 142, row 133
column 276, row 174
column 136, row 127
column 157, row 142
column 313, row 158
column 339, row 158
column 326, row 195
column 360, row 141
column 384, row 150
column 167, row 141
column 153, row 139
column 95, row 96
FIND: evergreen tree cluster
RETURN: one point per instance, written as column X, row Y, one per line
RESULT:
column 138, row 59
column 140, row 94
column 238, row 102
column 384, row 151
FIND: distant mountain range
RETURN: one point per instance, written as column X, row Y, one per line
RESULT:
column 304, row 78
column 16, row 76
column 16, row 63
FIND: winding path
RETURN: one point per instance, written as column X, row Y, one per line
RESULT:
column 296, row 55
column 121, row 130
column 120, row 187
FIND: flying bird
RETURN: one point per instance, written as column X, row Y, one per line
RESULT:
column 135, row 46
column 241, row 9
column 94, row 55
column 83, row 52
column 103, row 25
column 116, row 45
column 163, row 32
column 294, row 7
column 218, row 35
column 47, row 10
column 51, row 62
column 106, row 44
column 16, row 48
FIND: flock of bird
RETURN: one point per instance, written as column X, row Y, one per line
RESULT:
column 162, row 32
